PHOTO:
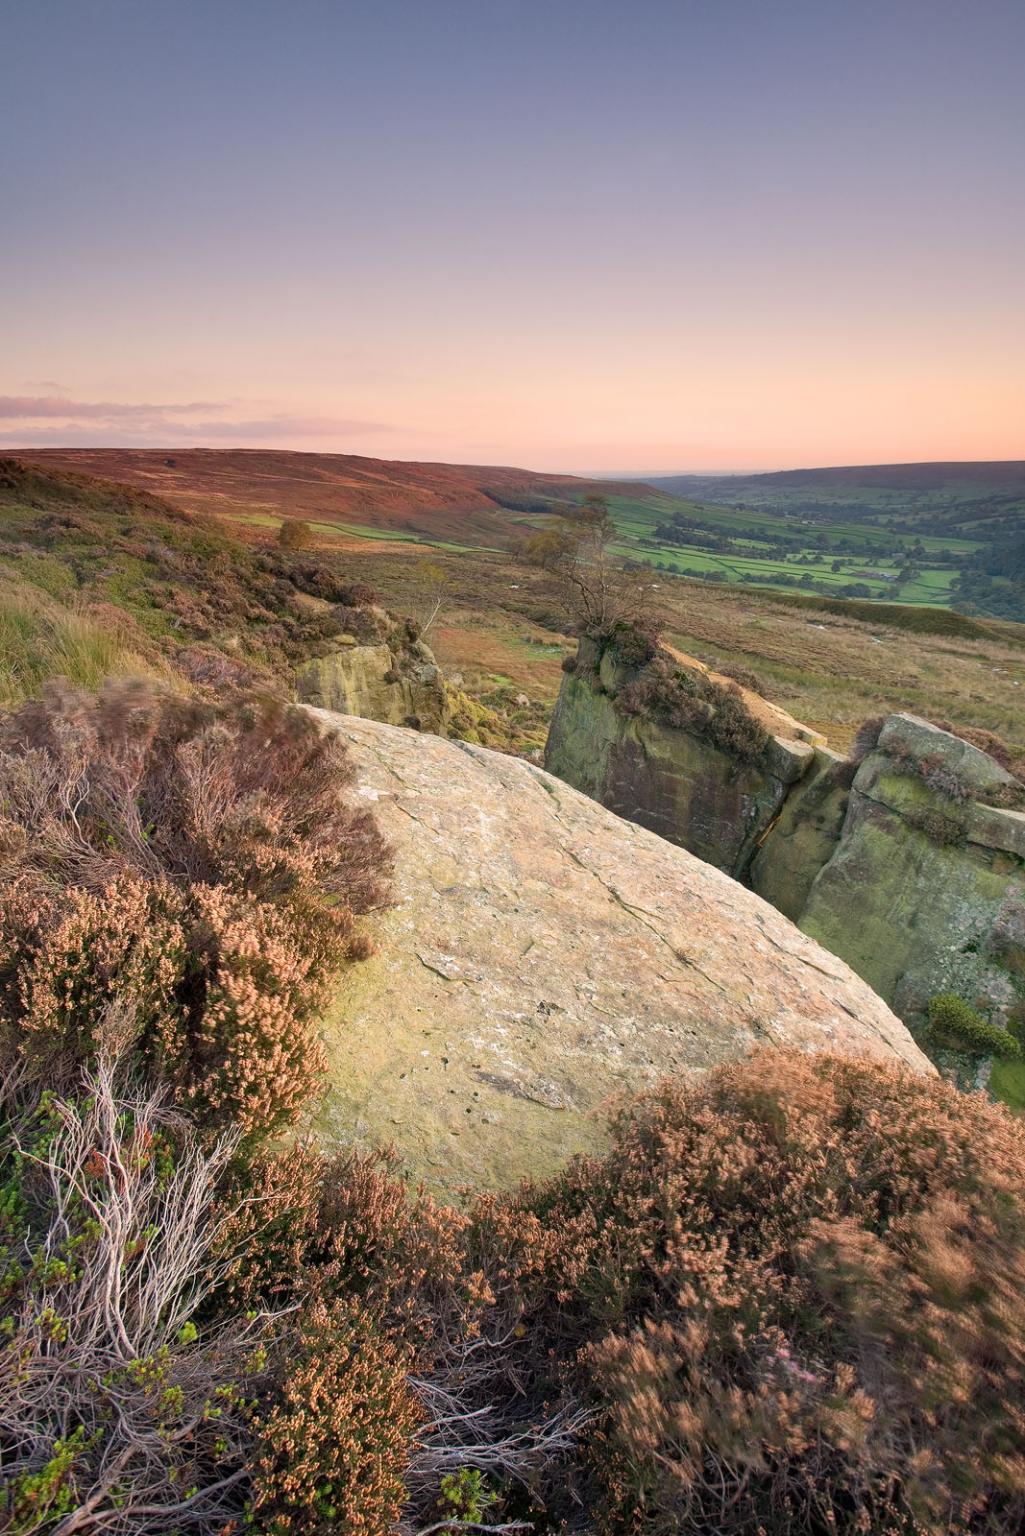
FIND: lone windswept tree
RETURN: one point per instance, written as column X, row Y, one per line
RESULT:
column 576, row 549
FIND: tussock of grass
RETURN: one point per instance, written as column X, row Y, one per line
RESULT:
column 39, row 640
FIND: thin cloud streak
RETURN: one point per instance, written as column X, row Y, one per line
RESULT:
column 33, row 407
column 49, row 419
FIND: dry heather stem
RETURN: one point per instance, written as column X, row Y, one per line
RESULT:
column 106, row 1341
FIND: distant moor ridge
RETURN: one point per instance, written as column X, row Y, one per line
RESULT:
column 933, row 536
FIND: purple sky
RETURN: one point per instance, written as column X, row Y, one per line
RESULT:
column 578, row 234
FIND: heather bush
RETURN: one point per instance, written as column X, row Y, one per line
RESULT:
column 794, row 1295
column 633, row 642
column 987, row 741
column 790, row 1297
column 136, row 1393
column 334, row 1442
column 690, row 701
column 945, row 828
column 205, row 867
column 746, row 679
column 866, row 737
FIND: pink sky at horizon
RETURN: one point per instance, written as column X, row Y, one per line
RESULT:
column 593, row 238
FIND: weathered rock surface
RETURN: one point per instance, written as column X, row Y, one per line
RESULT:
column 389, row 678
column 803, row 837
column 673, row 781
column 542, row 955
column 922, row 892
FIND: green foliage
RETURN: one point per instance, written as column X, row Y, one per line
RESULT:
column 40, row 639
column 100, row 579
column 952, row 1020
column 464, row 1496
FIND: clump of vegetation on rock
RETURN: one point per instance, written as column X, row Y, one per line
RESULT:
column 689, row 701
column 945, row 828
column 794, row 1296
column 747, row 679
column 955, row 1023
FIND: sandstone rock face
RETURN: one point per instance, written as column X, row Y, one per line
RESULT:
column 803, row 837
column 378, row 682
column 924, row 892
column 675, row 782
column 912, row 875
column 543, row 954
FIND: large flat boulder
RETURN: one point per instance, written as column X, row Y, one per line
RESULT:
column 541, row 955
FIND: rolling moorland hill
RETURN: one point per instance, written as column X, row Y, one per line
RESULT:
column 460, row 503
column 932, row 536
column 96, row 572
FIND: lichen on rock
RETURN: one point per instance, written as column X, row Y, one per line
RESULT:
column 543, row 954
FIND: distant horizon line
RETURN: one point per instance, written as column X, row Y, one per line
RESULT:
column 469, row 463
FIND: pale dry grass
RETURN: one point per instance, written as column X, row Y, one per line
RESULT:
column 41, row 639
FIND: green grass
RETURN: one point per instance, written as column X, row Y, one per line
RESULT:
column 755, row 558
column 1007, row 1083
column 40, row 640
column 351, row 531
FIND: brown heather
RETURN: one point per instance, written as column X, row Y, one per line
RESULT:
column 795, row 1294
column 791, row 1298
column 332, row 1448
column 202, row 867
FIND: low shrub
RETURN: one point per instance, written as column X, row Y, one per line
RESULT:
column 943, row 780
column 952, row 1021
column 791, row 1296
column 124, row 1405
column 866, row 739
column 690, row 701
column 794, row 1294
column 746, row 679
column 204, row 867
column 947, row 829
column 987, row 741
column 334, row 1442
column 633, row 642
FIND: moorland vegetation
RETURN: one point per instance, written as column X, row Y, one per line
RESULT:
column 789, row 1297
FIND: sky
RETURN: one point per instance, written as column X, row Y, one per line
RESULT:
column 591, row 235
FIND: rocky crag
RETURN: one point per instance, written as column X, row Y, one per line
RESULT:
column 541, row 955
column 380, row 669
column 909, row 865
